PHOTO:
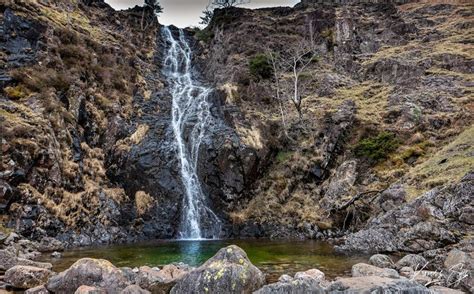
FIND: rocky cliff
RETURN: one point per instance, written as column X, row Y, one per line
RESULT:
column 87, row 153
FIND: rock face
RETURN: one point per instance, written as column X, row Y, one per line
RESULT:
column 89, row 272
column 25, row 277
column 229, row 271
column 423, row 224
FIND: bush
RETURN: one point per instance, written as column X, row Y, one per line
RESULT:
column 204, row 35
column 260, row 67
column 377, row 148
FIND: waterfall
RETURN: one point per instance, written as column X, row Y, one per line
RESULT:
column 190, row 119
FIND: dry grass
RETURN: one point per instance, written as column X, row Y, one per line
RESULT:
column 448, row 165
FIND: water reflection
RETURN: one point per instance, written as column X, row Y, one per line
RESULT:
column 272, row 257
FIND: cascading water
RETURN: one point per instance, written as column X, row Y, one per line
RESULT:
column 190, row 119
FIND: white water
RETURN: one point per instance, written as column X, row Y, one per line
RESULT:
column 190, row 119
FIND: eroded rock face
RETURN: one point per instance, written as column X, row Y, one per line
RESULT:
column 25, row 277
column 229, row 271
column 424, row 224
column 89, row 272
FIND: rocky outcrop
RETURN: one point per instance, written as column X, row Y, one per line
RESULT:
column 89, row 272
column 427, row 223
column 229, row 271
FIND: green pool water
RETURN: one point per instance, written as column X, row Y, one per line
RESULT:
column 272, row 257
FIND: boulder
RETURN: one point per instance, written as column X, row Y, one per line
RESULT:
column 303, row 282
column 406, row 272
column 89, row 272
column 37, row 290
column 381, row 260
column 458, row 259
column 364, row 270
column 160, row 281
column 89, row 290
column 229, row 271
column 375, row 284
column 414, row 261
column 26, row 277
column 8, row 260
column 134, row 289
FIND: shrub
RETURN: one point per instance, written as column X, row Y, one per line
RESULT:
column 377, row 148
column 204, row 35
column 260, row 67
column 16, row 92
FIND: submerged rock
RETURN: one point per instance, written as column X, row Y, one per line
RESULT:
column 89, row 272
column 229, row 271
column 25, row 277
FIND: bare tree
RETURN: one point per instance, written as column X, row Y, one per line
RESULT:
column 208, row 13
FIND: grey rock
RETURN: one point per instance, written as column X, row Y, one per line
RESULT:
column 444, row 290
column 56, row 254
column 161, row 281
column 309, row 281
column 37, row 290
column 364, row 270
column 26, row 277
column 406, row 272
column 416, row 262
column 229, row 271
column 375, row 284
column 381, row 260
column 458, row 259
column 89, row 290
column 89, row 272
column 134, row 289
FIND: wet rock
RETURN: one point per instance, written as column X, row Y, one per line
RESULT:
column 89, row 272
column 412, row 260
column 25, row 277
column 363, row 270
column 375, row 284
column 382, row 261
column 134, row 289
column 89, row 290
column 229, row 271
column 37, row 290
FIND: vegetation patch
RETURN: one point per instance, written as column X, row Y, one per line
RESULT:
column 260, row 67
column 377, row 148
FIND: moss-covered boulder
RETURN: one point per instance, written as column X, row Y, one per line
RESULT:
column 229, row 271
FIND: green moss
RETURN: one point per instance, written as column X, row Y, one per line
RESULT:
column 260, row 67
column 377, row 148
column 283, row 156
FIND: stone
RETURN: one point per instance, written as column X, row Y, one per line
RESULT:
column 382, row 261
column 89, row 290
column 364, row 270
column 9, row 260
column 228, row 271
column 444, row 290
column 414, row 261
column 160, row 281
column 26, row 277
column 312, row 273
column 89, row 272
column 376, row 284
column 406, row 272
column 309, row 281
column 56, row 254
column 134, row 289
column 37, row 290
column 458, row 259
